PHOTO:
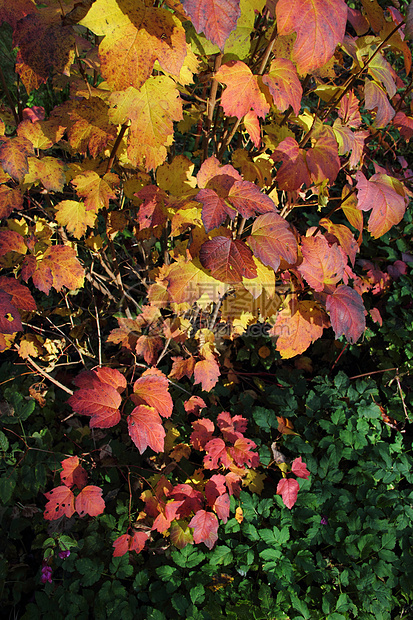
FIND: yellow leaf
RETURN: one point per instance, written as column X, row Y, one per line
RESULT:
column 239, row 516
column 74, row 216
column 254, row 481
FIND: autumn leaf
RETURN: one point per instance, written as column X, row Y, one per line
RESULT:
column 74, row 217
column 20, row 295
column 344, row 236
column 14, row 154
column 206, row 372
column 10, row 320
column 242, row 453
column 135, row 36
column 288, row 489
column 212, row 168
column 216, row 454
column 61, row 502
column 90, row 501
column 322, row 160
column 49, row 171
column 385, row 196
column 297, row 327
column 215, row 18
column 322, row 264
column 228, row 260
column 12, row 13
column 248, row 200
column 319, row 25
column 180, row 534
column 152, row 111
column 376, row 98
column 214, row 209
column 347, row 313
column 284, row 85
column 73, row 474
column 271, row 240
column 205, row 526
column 58, row 267
column 299, row 468
column 10, row 199
column 145, row 429
column 152, row 389
column 294, row 171
column 202, row 433
column 95, row 191
column 194, row 405
column 129, row 542
column 242, row 93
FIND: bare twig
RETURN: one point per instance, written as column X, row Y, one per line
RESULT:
column 46, row 375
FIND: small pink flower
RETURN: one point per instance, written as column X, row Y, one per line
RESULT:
column 324, row 521
column 64, row 554
column 46, row 574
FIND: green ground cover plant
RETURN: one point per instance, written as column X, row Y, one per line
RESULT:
column 205, row 309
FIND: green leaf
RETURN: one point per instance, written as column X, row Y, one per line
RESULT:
column 7, row 486
column 221, row 555
column 4, row 442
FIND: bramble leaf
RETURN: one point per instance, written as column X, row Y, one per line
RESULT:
column 205, row 526
column 347, row 313
column 288, row 489
column 145, row 428
column 90, row 501
column 385, row 196
column 242, row 93
column 215, row 18
column 61, row 502
column 73, row 474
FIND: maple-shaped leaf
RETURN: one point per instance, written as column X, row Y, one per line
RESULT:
column 212, row 168
column 135, row 36
column 74, row 217
column 73, row 474
column 99, row 396
column 202, row 433
column 182, row 368
column 14, row 154
column 11, row 241
column 20, row 295
column 347, row 313
column 194, row 405
column 42, row 134
column 216, row 454
column 58, row 267
column 87, row 123
column 10, row 320
column 149, row 348
column 152, row 389
column 231, row 427
column 294, row 171
column 95, row 191
column 319, row 25
column 242, row 453
column 45, row 46
column 90, row 501
column 152, row 111
column 375, row 97
column 297, row 327
column 214, row 209
column 145, row 429
column 229, row 260
column 299, row 468
column 385, row 196
column 206, row 372
column 271, row 240
column 322, row 159
column 49, row 171
column 242, row 93
column 215, row 18
column 129, row 542
column 205, row 526
column 288, row 489
column 284, row 85
column 322, row 264
column 180, row 534
column 10, row 198
column 61, row 502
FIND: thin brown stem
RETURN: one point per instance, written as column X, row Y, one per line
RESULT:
column 116, row 146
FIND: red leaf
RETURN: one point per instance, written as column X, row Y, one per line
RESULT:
column 20, row 295
column 206, row 372
column 272, row 239
column 322, row 264
column 323, row 161
column 101, row 401
column 145, row 428
column 214, row 209
column 347, row 313
column 216, row 454
column 190, row 499
column 248, row 200
column 73, row 473
column 202, row 433
column 284, row 85
column 320, row 27
column 61, row 502
column 215, row 18
column 58, row 267
column 293, row 172
column 242, row 93
column 152, row 389
column 231, row 427
column 288, row 489
column 221, row 507
column 375, row 97
column 229, row 260
column 12, row 241
column 126, row 542
column 10, row 320
column 212, row 168
column 205, row 525
column 385, row 196
column 215, row 487
column 299, row 468
column 242, row 453
column 194, row 405
column 90, row 502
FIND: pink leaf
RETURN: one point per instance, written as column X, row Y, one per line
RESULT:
column 205, row 526
column 145, row 428
column 288, row 489
column 299, row 468
column 90, row 502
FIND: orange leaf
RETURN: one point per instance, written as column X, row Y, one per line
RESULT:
column 145, row 428
column 375, row 97
column 284, row 85
column 297, row 327
column 385, row 196
column 215, row 18
column 229, row 260
column 61, row 502
column 73, row 474
column 242, row 93
column 206, row 372
column 90, row 502
column 152, row 389
column 322, row 264
column 14, row 154
column 58, row 267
